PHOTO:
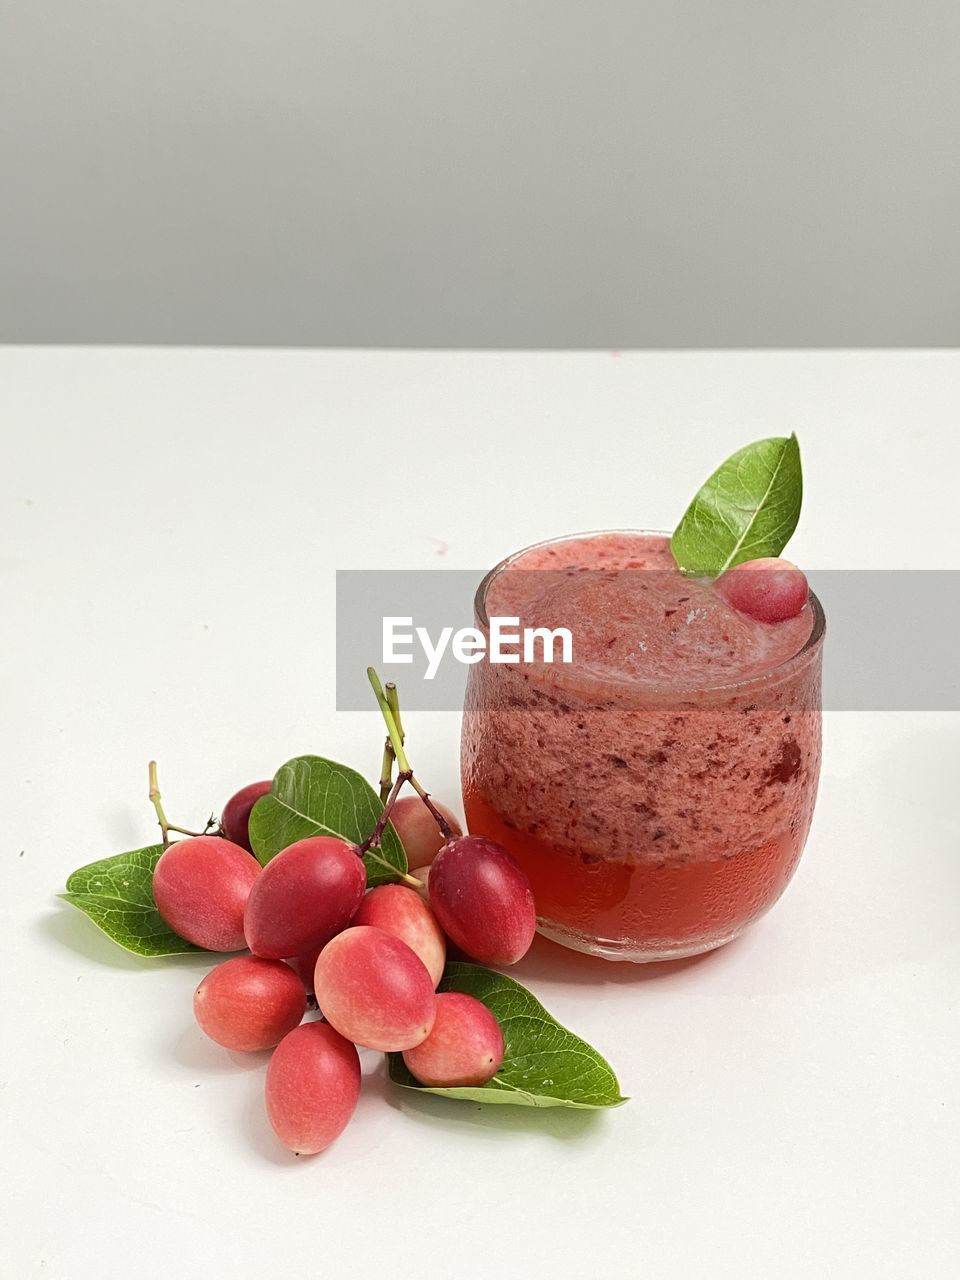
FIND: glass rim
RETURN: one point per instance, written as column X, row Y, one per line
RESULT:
column 817, row 631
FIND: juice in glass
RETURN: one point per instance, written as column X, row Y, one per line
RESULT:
column 659, row 789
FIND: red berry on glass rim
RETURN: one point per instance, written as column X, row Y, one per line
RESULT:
column 770, row 590
column 201, row 887
column 374, row 990
column 247, row 1004
column 304, row 896
column 235, row 819
column 313, row 1086
column 483, row 900
column 418, row 831
column 464, row 1048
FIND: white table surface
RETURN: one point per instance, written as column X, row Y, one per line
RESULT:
column 171, row 523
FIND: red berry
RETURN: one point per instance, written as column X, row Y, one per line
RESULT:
column 304, row 965
column 418, row 830
column 483, row 900
column 312, row 1088
column 235, row 819
column 201, row 886
column 769, row 590
column 249, row 1004
column 402, row 912
column 304, row 896
column 374, row 990
column 465, row 1046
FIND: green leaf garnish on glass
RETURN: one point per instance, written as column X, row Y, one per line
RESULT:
column 116, row 894
column 544, row 1065
column 747, row 510
column 314, row 796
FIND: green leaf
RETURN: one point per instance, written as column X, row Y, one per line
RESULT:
column 116, row 894
column 312, row 796
column 748, row 509
column 544, row 1065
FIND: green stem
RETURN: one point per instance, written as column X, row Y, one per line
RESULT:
column 154, row 797
column 412, row 881
column 386, row 771
column 393, row 701
column 396, row 737
column 386, row 764
column 390, row 714
column 165, row 826
column 209, row 830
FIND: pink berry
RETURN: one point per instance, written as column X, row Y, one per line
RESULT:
column 402, row 912
column 423, row 875
column 305, row 895
column 418, row 830
column 769, row 590
column 304, row 965
column 483, row 900
column 249, row 1004
column 312, row 1089
column 374, row 990
column 201, row 886
column 464, row 1048
column 235, row 819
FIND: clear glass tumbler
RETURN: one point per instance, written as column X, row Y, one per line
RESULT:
column 656, row 818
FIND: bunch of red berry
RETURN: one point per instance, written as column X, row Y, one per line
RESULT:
column 372, row 959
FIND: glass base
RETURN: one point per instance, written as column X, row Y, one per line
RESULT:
column 630, row 949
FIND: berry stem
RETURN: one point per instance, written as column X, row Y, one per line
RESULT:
column 166, row 827
column 402, row 876
column 396, row 737
column 376, row 834
column 386, row 771
column 393, row 701
column 386, row 766
column 391, row 712
column 154, row 797
column 445, row 829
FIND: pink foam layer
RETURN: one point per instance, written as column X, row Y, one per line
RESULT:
column 633, row 615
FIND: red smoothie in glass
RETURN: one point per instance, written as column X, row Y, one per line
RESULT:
column 659, row 789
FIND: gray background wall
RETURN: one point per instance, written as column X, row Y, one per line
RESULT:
column 498, row 173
